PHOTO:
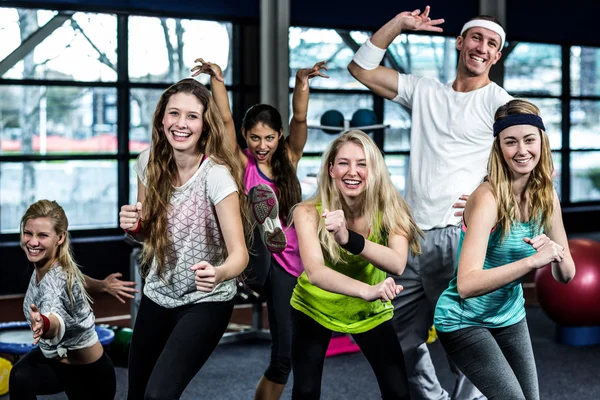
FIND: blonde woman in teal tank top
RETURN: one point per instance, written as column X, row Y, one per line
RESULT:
column 480, row 318
column 351, row 232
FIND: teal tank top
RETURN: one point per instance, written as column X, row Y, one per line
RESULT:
column 502, row 307
column 338, row 312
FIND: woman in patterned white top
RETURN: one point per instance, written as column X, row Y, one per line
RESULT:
column 69, row 357
column 190, row 215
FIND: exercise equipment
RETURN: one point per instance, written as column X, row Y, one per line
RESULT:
column 341, row 343
column 364, row 119
column 16, row 337
column 134, row 273
column 575, row 307
column 432, row 335
column 246, row 295
column 118, row 350
column 332, row 121
column 5, row 367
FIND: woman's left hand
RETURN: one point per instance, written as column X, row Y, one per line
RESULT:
column 207, row 276
column 118, row 288
column 205, row 67
column 304, row 74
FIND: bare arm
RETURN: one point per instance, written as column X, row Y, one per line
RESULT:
column 306, row 219
column 472, row 279
column 230, row 222
column 391, row 258
column 111, row 285
column 298, row 125
column 382, row 80
column 219, row 93
column 563, row 271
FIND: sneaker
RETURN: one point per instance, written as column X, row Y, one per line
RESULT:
column 265, row 211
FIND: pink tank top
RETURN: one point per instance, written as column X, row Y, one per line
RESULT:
column 289, row 259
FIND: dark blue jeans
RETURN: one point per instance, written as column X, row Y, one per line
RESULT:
column 498, row 361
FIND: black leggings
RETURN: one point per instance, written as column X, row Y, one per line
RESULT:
column 170, row 345
column 278, row 290
column 380, row 346
column 34, row 374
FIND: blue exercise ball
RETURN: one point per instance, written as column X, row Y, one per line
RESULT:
column 363, row 117
column 332, row 118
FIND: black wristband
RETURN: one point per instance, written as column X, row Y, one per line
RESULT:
column 356, row 243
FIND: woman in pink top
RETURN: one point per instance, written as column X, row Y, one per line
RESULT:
column 273, row 189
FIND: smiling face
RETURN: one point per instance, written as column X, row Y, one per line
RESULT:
column 349, row 170
column 521, row 148
column 182, row 122
column 40, row 241
column 262, row 141
column 479, row 50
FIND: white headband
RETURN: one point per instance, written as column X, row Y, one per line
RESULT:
column 484, row 23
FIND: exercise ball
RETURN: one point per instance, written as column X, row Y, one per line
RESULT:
column 119, row 348
column 332, row 118
column 5, row 367
column 363, row 117
column 575, row 307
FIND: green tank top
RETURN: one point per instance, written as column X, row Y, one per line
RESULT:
column 502, row 307
column 338, row 312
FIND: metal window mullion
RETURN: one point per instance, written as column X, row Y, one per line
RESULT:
column 566, row 125
column 123, row 112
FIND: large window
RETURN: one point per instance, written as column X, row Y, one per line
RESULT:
column 570, row 106
column 341, row 92
column 61, row 80
column 585, row 118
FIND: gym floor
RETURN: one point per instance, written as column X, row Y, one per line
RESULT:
column 565, row 373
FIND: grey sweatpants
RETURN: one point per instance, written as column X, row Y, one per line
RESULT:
column 424, row 280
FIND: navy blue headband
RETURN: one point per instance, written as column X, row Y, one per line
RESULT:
column 518, row 119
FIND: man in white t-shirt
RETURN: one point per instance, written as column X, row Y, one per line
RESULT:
column 451, row 138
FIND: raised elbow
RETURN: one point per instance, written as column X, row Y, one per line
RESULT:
column 354, row 69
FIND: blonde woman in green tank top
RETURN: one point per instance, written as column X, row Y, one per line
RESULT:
column 351, row 232
column 512, row 225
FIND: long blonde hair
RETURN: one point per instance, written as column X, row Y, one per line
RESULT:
column 64, row 254
column 381, row 198
column 161, row 171
column 540, row 190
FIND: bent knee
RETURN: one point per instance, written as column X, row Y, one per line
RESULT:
column 279, row 371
